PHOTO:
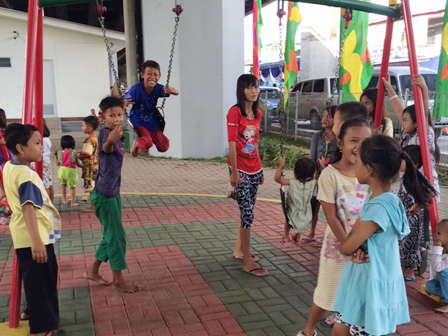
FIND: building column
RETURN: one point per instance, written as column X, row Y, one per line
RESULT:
column 131, row 42
column 208, row 60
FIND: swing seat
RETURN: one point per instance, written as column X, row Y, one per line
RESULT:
column 435, row 298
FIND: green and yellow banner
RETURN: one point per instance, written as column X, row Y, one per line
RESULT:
column 355, row 68
column 441, row 101
column 291, row 66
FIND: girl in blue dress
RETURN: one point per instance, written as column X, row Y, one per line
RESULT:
column 371, row 298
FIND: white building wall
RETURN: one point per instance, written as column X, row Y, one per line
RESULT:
column 209, row 58
column 80, row 64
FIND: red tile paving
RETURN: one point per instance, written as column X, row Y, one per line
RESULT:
column 177, row 300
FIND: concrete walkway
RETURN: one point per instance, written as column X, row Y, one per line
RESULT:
column 180, row 251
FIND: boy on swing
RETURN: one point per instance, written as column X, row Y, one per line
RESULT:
column 144, row 96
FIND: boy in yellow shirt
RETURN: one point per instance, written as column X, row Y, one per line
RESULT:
column 35, row 225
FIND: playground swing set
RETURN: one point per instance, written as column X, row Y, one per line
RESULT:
column 33, row 95
column 33, row 89
column 395, row 11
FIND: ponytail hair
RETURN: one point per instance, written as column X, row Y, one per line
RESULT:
column 385, row 156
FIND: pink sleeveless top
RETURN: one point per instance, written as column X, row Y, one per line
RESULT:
column 67, row 158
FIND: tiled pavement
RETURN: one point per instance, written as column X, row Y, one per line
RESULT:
column 180, row 252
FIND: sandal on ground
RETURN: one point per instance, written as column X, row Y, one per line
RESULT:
column 307, row 239
column 324, row 322
column 317, row 242
column 408, row 278
column 254, row 257
column 302, row 334
column 254, row 270
column 285, row 243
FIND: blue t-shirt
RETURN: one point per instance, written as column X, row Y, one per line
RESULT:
column 373, row 294
column 142, row 113
column 109, row 171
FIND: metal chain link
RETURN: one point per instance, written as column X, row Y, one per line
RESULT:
column 109, row 54
column 280, row 108
column 170, row 66
column 338, row 64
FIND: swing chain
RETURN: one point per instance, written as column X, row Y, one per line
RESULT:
column 101, row 9
column 347, row 17
column 280, row 108
column 178, row 11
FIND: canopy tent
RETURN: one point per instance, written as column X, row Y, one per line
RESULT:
column 270, row 72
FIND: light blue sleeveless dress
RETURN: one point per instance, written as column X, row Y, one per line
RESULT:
column 373, row 294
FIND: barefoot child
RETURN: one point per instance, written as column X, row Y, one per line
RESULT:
column 89, row 154
column 300, row 192
column 106, row 199
column 144, row 96
column 67, row 160
column 438, row 286
column 35, row 226
column 371, row 298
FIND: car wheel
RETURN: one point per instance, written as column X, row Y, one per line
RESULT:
column 315, row 120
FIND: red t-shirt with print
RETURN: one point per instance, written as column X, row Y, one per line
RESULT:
column 245, row 133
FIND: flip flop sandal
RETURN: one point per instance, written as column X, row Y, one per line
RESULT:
column 254, row 257
column 252, row 272
column 302, row 334
column 409, row 279
column 317, row 242
column 286, row 244
column 306, row 239
column 324, row 323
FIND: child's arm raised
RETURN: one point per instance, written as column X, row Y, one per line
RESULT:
column 357, row 236
column 171, row 90
column 113, row 136
column 278, row 174
column 38, row 248
column 395, row 102
column 420, row 81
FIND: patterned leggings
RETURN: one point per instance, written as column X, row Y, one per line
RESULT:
column 247, row 194
column 354, row 330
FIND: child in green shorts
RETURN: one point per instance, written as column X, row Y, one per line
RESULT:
column 106, row 199
column 67, row 160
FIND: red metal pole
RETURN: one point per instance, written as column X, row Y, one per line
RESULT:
column 422, row 123
column 38, row 90
column 384, row 72
column 33, row 8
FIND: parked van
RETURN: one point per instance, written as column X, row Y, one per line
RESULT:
column 309, row 97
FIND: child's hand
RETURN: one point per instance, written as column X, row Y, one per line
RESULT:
column 281, row 161
column 171, row 90
column 386, row 82
column 235, row 179
column 39, row 252
column 116, row 134
column 420, row 81
column 415, row 209
column 378, row 130
column 359, row 257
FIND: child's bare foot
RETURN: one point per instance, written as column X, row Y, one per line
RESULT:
column 134, row 149
column 443, row 309
column 126, row 287
column 64, row 201
column 89, row 274
column 74, row 204
column 24, row 316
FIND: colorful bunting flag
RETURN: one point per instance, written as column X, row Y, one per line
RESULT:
column 257, row 23
column 355, row 68
column 291, row 66
column 441, row 101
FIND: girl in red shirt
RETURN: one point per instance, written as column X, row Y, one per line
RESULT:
column 246, row 173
